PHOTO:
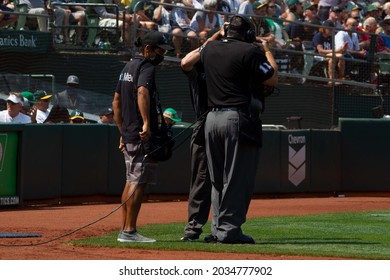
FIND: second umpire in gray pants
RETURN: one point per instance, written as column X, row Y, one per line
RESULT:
column 199, row 199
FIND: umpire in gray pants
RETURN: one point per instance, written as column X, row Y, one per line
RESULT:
column 236, row 69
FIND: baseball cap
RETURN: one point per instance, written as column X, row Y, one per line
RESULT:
column 258, row 4
column 378, row 5
column 72, row 79
column 308, row 5
column 106, row 111
column 29, row 96
column 171, row 114
column 156, row 39
column 15, row 99
column 293, row 2
column 353, row 7
column 41, row 95
column 336, row 9
column 76, row 114
column 371, row 8
column 328, row 23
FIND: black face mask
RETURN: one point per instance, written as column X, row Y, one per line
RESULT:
column 157, row 60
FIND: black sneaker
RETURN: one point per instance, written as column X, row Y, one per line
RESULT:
column 210, row 239
column 190, row 237
column 242, row 239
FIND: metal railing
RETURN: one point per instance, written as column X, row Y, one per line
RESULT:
column 371, row 64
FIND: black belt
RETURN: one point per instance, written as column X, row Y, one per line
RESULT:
column 221, row 109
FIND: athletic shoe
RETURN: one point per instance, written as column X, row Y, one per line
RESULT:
column 210, row 239
column 133, row 236
column 190, row 237
column 242, row 239
column 57, row 40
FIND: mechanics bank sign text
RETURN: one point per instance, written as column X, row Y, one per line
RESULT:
column 19, row 40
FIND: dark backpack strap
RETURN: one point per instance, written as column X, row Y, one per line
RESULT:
column 163, row 126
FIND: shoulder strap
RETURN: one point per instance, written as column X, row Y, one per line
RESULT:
column 163, row 126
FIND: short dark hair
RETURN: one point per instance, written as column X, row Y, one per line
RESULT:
column 238, row 27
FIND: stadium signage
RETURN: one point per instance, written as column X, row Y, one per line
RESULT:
column 296, row 159
column 8, row 168
column 12, row 200
column 24, row 41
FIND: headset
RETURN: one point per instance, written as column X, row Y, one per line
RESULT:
column 250, row 34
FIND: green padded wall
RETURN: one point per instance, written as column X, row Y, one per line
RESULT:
column 365, row 154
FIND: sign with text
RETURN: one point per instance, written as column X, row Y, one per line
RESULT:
column 8, row 168
column 295, row 151
column 25, row 41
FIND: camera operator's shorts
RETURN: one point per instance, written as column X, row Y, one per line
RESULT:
column 139, row 170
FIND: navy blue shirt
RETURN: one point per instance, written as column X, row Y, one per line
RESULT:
column 126, row 87
column 319, row 39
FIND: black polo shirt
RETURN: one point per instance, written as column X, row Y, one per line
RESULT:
column 234, row 70
column 126, row 87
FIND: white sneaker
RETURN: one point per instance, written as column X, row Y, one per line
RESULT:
column 57, row 40
column 125, row 236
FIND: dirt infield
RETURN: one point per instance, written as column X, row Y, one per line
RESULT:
column 53, row 221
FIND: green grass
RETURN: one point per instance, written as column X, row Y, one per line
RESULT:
column 359, row 235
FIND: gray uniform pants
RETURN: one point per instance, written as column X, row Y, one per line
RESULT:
column 232, row 166
column 199, row 199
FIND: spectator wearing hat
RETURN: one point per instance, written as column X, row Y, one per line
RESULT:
column 334, row 16
column 373, row 11
column 28, row 102
column 42, row 100
column 171, row 117
column 355, row 11
column 71, row 98
column 293, row 13
column 324, row 7
column 322, row 42
column 76, row 116
column 261, row 23
column 13, row 112
column 310, row 13
column 106, row 116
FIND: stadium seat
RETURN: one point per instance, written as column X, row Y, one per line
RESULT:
column 93, row 25
column 21, row 8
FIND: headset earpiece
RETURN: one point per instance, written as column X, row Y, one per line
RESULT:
column 226, row 29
